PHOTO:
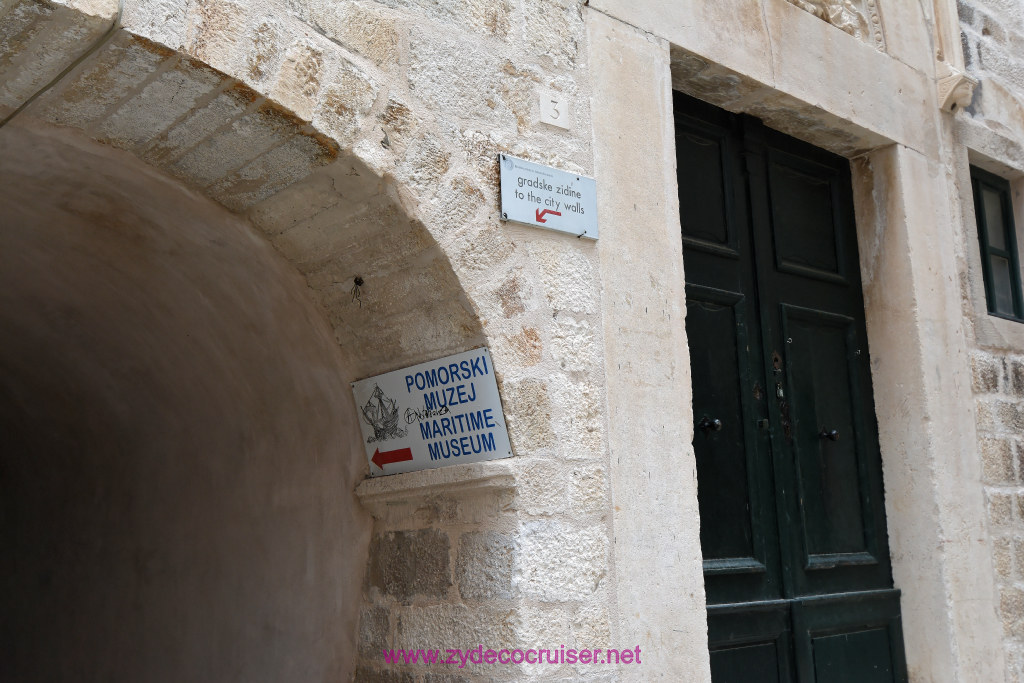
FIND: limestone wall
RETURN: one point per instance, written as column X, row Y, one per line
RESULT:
column 992, row 129
column 359, row 137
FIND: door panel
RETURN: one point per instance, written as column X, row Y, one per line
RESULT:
column 738, row 532
column 804, row 197
column 751, row 643
column 796, row 561
column 818, row 350
column 727, row 538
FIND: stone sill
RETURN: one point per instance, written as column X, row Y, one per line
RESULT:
column 475, row 477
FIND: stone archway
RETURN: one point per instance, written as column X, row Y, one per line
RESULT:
column 177, row 435
column 183, row 448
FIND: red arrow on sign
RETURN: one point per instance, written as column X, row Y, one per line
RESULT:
column 389, row 457
column 541, row 214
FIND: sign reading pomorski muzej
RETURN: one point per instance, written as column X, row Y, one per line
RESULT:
column 439, row 413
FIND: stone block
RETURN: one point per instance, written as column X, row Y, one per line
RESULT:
column 996, row 460
column 568, row 276
column 368, row 675
column 573, row 345
column 560, row 562
column 579, row 421
column 425, row 163
column 457, row 203
column 591, row 623
column 355, row 26
column 1000, row 63
column 510, row 295
column 1011, row 605
column 458, row 626
column 234, row 146
column 458, row 79
column 1015, row 371
column 526, row 347
column 1002, row 557
column 374, row 632
column 553, row 487
column 265, row 55
column 965, row 12
column 404, row 564
column 445, row 678
column 272, row 172
column 125, row 64
column 528, row 410
column 1018, row 556
column 1000, row 508
column 298, row 80
column 1010, row 416
column 216, row 32
column 398, row 118
column 485, row 566
column 199, row 125
column 159, row 105
column 552, row 29
column 38, row 40
column 986, row 371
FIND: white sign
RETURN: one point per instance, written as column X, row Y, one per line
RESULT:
column 548, row 198
column 554, row 108
column 444, row 412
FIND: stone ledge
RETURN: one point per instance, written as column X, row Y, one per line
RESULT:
column 990, row 149
column 497, row 475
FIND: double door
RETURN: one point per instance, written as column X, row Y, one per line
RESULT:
column 793, row 535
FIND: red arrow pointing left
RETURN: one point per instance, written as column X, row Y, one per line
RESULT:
column 389, row 457
column 541, row 214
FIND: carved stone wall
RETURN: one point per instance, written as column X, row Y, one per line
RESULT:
column 859, row 18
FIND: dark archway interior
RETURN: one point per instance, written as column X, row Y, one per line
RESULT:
column 176, row 436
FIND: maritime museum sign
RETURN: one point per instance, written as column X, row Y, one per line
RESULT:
column 444, row 412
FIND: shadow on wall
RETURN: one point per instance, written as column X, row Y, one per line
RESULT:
column 176, row 432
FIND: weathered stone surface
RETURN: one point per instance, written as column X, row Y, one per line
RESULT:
column 199, row 124
column 445, row 678
column 458, row 79
column 553, row 29
column 300, row 77
column 565, row 269
column 987, row 371
column 404, row 564
column 39, row 39
column 528, row 412
column 369, row 675
column 159, row 105
column 374, row 631
column 359, row 27
column 1000, row 509
column 126, row 64
column 458, row 626
column 997, row 461
column 560, row 562
column 527, row 347
column 1003, row 557
column 485, row 566
column 232, row 147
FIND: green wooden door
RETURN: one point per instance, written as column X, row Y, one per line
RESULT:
column 796, row 559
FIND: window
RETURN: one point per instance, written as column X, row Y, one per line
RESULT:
column 999, row 262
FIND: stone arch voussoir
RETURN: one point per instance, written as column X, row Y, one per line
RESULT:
column 299, row 167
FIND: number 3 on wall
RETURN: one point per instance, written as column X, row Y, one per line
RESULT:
column 554, row 109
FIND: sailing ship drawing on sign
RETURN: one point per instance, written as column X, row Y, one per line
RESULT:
column 381, row 413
